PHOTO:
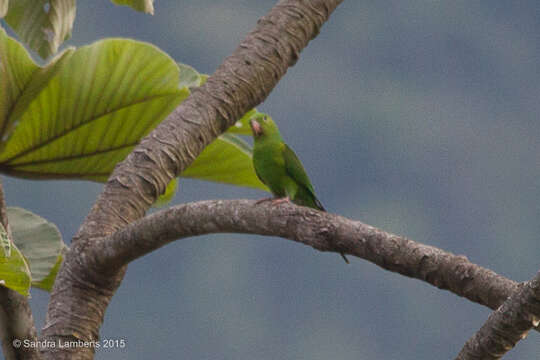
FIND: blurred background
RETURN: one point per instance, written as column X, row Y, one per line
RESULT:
column 418, row 117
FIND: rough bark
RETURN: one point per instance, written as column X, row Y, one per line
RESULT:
column 84, row 285
column 320, row 230
column 81, row 295
column 16, row 321
column 507, row 325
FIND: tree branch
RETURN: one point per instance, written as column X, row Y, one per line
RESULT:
column 81, row 295
column 241, row 82
column 16, row 321
column 507, row 325
column 320, row 230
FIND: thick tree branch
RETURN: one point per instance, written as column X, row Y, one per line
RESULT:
column 80, row 295
column 240, row 83
column 16, row 321
column 507, row 325
column 321, row 230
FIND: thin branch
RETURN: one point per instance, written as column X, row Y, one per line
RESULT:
column 16, row 321
column 507, row 325
column 80, row 296
column 320, row 230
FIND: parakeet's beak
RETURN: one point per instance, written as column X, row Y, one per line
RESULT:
column 255, row 127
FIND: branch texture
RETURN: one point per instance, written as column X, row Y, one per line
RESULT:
column 320, row 230
column 507, row 325
column 241, row 82
column 81, row 295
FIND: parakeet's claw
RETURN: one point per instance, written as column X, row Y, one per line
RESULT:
column 344, row 258
column 263, row 200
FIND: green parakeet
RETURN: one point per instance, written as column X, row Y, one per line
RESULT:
column 278, row 167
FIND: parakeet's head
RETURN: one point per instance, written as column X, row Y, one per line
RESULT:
column 263, row 126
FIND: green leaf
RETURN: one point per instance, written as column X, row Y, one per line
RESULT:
column 227, row 160
column 40, row 79
column 204, row 77
column 40, row 242
column 15, row 74
column 170, row 191
column 189, row 77
column 84, row 112
column 139, row 5
column 14, row 272
column 43, row 24
column 48, row 282
column 87, row 110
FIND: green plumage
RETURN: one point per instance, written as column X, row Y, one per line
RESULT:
column 278, row 167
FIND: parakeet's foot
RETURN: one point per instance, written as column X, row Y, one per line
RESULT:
column 344, row 258
column 263, row 200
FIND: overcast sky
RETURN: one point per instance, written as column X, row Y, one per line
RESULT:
column 418, row 117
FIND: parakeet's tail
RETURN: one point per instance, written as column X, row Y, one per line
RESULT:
column 321, row 207
column 318, row 204
column 344, row 258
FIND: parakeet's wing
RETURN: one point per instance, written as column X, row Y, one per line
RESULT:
column 260, row 177
column 296, row 170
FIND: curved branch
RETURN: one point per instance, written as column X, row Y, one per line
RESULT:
column 80, row 295
column 241, row 82
column 323, row 231
column 507, row 325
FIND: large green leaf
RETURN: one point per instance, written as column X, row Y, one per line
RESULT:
column 43, row 24
column 40, row 78
column 14, row 271
column 228, row 160
column 41, row 244
column 15, row 74
column 86, row 110
column 146, row 6
column 79, row 119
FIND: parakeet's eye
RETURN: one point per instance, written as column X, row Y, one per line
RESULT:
column 265, row 118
